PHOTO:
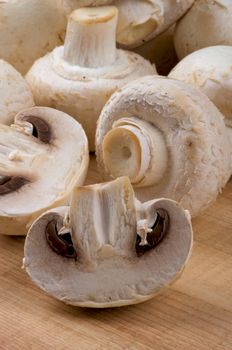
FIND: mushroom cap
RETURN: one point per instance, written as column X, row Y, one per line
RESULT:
column 194, row 132
column 50, row 163
column 15, row 93
column 28, row 30
column 82, row 92
column 115, row 275
column 207, row 23
column 139, row 20
column 209, row 69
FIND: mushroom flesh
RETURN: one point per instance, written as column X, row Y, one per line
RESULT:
column 108, row 249
column 168, row 138
column 43, row 155
column 79, row 77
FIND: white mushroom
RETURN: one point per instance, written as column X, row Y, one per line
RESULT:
column 15, row 93
column 168, row 138
column 29, row 29
column 93, row 253
column 43, row 155
column 139, row 20
column 207, row 23
column 79, row 77
column 210, row 70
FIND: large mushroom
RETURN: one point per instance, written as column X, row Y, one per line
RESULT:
column 43, row 155
column 79, row 77
column 108, row 249
column 207, row 23
column 168, row 138
column 15, row 93
column 28, row 30
column 210, row 70
column 139, row 20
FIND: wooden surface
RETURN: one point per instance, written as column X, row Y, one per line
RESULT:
column 195, row 313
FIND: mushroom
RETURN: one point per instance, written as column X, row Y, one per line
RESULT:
column 139, row 20
column 29, row 29
column 43, row 155
column 15, row 93
column 79, row 77
column 209, row 69
column 207, row 23
column 168, row 138
column 108, row 249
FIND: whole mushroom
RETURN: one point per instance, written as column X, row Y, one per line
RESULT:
column 139, row 20
column 168, row 138
column 207, row 23
column 15, row 93
column 108, row 249
column 43, row 156
column 29, row 29
column 209, row 69
column 79, row 77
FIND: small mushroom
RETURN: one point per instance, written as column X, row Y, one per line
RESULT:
column 15, row 93
column 28, row 30
column 168, row 138
column 207, row 23
column 43, row 155
column 108, row 249
column 139, row 20
column 210, row 70
column 79, row 77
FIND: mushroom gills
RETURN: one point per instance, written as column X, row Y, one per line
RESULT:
column 155, row 235
column 41, row 130
column 60, row 243
column 10, row 184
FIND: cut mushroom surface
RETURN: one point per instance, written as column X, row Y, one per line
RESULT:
column 79, row 77
column 207, row 23
column 15, row 93
column 43, row 155
column 108, row 249
column 168, row 138
column 139, row 20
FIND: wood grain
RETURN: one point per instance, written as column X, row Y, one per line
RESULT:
column 194, row 313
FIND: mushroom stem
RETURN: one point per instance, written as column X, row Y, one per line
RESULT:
column 136, row 149
column 91, row 37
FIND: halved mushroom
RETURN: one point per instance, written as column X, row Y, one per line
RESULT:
column 168, row 138
column 139, row 20
column 43, row 155
column 79, row 77
column 28, row 30
column 210, row 70
column 108, row 249
column 207, row 23
column 15, row 93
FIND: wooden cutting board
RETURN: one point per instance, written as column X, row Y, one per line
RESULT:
column 195, row 313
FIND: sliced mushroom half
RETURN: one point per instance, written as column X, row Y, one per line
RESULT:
column 168, row 138
column 79, row 77
column 108, row 249
column 43, row 155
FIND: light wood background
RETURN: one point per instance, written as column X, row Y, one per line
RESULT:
column 195, row 313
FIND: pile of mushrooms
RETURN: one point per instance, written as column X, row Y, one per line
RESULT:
column 40, row 164
column 111, row 244
column 108, row 249
column 79, row 77
column 168, row 138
